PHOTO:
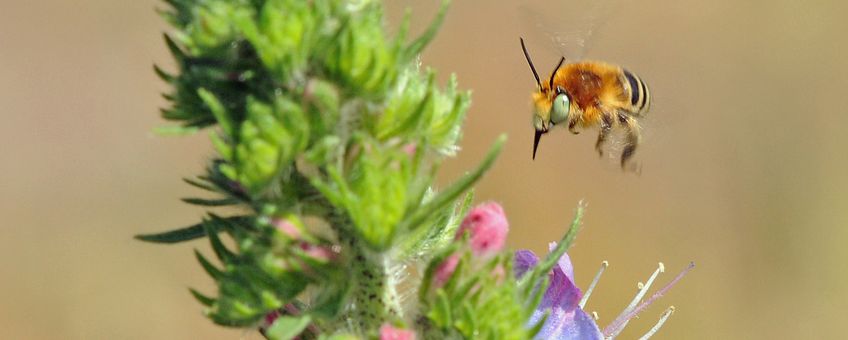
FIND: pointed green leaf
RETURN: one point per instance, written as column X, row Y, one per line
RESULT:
column 210, row 202
column 175, row 236
column 441, row 313
column 203, row 299
column 218, row 110
column 287, row 327
column 167, row 77
column 200, row 183
column 447, row 196
column 176, row 51
column 330, row 301
column 544, row 266
column 224, row 254
column 418, row 45
column 413, row 120
column 210, row 269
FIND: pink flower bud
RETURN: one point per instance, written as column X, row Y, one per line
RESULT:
column 286, row 227
column 270, row 318
column 389, row 332
column 319, row 253
column 445, row 270
column 410, row 149
column 488, row 227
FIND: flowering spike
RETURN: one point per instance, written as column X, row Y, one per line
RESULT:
column 328, row 134
column 659, row 324
column 592, row 285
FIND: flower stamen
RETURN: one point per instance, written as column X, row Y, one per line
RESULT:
column 643, row 289
column 620, row 322
column 659, row 324
column 585, row 298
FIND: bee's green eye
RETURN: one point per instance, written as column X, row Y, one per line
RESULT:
column 561, row 106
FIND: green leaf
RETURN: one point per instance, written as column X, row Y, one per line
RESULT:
column 203, row 299
column 447, row 196
column 175, row 236
column 201, row 183
column 417, row 115
column 167, row 77
column 188, row 233
column 330, row 302
column 176, row 51
column 287, row 327
column 427, row 279
column 224, row 254
column 418, row 45
column 543, row 267
column 537, row 327
column 338, row 337
column 208, row 266
column 441, row 313
column 210, row 202
column 218, row 110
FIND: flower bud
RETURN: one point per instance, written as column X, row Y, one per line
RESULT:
column 389, row 332
column 487, row 226
column 445, row 270
column 318, row 253
column 286, row 227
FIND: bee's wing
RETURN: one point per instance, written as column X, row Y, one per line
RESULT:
column 566, row 25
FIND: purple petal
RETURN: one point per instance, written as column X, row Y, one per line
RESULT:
column 562, row 292
column 566, row 319
column 564, row 263
column 524, row 260
column 573, row 325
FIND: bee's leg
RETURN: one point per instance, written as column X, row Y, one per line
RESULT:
column 631, row 140
column 606, row 126
column 572, row 124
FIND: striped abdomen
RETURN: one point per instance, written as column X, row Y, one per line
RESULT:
column 640, row 96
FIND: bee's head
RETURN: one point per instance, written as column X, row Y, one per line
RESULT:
column 551, row 104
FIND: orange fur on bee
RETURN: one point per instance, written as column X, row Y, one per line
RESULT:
column 594, row 87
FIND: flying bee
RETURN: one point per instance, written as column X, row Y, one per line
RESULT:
column 587, row 94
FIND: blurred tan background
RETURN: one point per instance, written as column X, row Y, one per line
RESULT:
column 744, row 165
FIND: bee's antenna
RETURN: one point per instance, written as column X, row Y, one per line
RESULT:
column 551, row 85
column 532, row 68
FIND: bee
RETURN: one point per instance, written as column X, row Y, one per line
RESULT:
column 587, row 94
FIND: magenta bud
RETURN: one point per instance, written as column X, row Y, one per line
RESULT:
column 319, row 253
column 487, row 226
column 389, row 332
column 445, row 270
column 410, row 148
column 287, row 228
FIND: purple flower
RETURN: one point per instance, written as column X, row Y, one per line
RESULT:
column 564, row 302
column 566, row 320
